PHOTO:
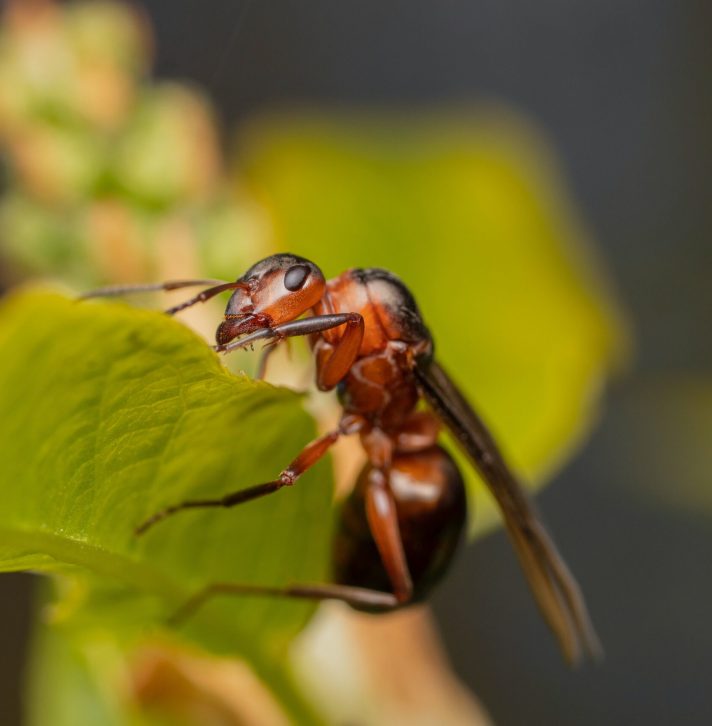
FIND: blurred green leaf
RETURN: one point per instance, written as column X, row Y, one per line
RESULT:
column 43, row 240
column 112, row 413
column 470, row 212
column 60, row 165
column 168, row 152
column 113, row 34
column 68, row 675
column 75, row 64
column 665, row 442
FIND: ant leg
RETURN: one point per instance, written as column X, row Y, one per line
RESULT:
column 333, row 363
column 305, row 326
column 383, row 522
column 118, row 290
column 357, row 596
column 264, row 358
column 306, row 459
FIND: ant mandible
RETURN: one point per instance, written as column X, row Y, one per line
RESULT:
column 400, row 527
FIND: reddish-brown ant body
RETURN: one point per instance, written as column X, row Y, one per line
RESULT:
column 400, row 527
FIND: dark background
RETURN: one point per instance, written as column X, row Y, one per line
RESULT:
column 624, row 91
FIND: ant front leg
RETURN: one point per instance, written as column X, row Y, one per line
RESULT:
column 309, row 456
column 359, row 597
column 344, row 352
column 334, row 362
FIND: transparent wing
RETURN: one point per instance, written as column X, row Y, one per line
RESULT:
column 554, row 587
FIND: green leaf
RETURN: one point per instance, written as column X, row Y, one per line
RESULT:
column 469, row 211
column 111, row 413
column 68, row 674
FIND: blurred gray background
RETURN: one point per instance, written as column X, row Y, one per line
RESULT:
column 624, row 91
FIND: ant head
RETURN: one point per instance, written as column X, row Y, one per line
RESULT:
column 276, row 290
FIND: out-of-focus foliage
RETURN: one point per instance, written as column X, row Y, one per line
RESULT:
column 128, row 411
column 76, row 65
column 107, row 173
column 77, row 678
column 670, row 423
column 470, row 212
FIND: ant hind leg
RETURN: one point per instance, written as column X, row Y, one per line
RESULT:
column 359, row 597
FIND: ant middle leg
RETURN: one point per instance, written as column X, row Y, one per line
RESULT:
column 309, row 456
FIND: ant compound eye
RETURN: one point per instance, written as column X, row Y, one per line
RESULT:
column 295, row 277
